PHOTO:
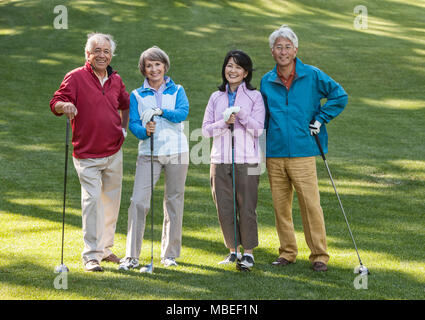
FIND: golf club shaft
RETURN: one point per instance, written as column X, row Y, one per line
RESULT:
column 152, row 138
column 64, row 185
column 234, row 187
column 337, row 195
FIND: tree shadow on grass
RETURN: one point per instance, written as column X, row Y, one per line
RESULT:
column 201, row 282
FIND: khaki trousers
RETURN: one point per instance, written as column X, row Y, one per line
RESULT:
column 101, row 181
column 175, row 171
column 285, row 174
column 246, row 190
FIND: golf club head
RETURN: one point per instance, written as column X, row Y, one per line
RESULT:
column 361, row 270
column 242, row 268
column 147, row 269
column 61, row 268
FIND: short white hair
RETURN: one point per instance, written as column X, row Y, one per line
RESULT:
column 94, row 38
column 284, row 32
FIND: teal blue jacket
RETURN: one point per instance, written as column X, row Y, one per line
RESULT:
column 289, row 113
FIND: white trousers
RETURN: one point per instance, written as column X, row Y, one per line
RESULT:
column 175, row 170
column 101, row 181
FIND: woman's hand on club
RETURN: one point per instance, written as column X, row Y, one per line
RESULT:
column 150, row 128
column 232, row 119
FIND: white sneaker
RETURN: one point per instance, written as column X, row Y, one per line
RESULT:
column 247, row 261
column 231, row 258
column 128, row 263
column 93, row 265
column 169, row 262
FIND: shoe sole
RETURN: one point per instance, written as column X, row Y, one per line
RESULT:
column 125, row 268
column 94, row 270
column 170, row 265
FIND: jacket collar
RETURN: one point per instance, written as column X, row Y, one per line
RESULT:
column 109, row 69
column 242, row 87
column 168, row 83
column 300, row 71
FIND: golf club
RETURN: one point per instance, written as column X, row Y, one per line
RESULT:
column 362, row 268
column 62, row 267
column 239, row 266
column 149, row 268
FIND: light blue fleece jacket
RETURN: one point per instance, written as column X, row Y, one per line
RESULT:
column 169, row 137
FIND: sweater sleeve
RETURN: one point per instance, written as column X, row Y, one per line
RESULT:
column 336, row 97
column 135, row 124
column 210, row 126
column 253, row 121
column 124, row 98
column 181, row 109
column 266, row 107
column 67, row 92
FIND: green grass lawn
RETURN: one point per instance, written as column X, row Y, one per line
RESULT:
column 376, row 152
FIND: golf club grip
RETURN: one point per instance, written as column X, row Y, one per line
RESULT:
column 320, row 146
column 232, row 127
column 67, row 131
column 151, row 120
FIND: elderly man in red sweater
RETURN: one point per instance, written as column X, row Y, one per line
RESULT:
column 94, row 98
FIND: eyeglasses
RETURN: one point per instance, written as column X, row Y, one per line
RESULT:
column 98, row 51
column 281, row 48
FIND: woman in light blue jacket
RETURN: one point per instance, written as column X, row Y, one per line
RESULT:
column 161, row 100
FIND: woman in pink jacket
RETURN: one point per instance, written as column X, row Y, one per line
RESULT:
column 239, row 107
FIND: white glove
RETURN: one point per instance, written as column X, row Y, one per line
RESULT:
column 314, row 127
column 148, row 114
column 124, row 132
column 228, row 112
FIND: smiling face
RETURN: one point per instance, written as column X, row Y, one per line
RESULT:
column 284, row 52
column 154, row 71
column 234, row 73
column 100, row 56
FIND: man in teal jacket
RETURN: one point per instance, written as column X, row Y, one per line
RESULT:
column 292, row 93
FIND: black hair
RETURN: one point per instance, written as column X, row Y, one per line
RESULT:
column 243, row 60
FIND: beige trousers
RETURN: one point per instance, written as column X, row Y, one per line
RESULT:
column 175, row 170
column 285, row 174
column 101, row 180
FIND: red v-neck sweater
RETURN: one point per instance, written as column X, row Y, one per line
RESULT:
column 96, row 130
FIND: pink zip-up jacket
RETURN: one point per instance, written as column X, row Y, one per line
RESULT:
column 248, row 126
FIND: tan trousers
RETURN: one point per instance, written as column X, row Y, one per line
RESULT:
column 246, row 189
column 285, row 174
column 175, row 171
column 101, row 181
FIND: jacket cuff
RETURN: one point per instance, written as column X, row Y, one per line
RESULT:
column 242, row 116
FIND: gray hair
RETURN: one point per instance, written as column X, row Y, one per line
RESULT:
column 285, row 32
column 154, row 54
column 94, row 38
